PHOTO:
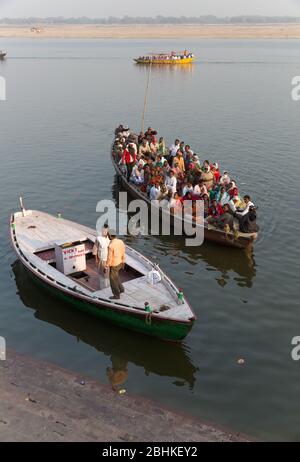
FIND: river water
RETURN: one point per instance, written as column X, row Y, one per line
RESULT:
column 234, row 105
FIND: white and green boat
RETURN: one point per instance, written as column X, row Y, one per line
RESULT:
column 41, row 240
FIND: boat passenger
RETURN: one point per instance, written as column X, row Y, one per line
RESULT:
column 216, row 171
column 137, row 175
column 154, row 192
column 248, row 203
column 144, row 148
column 179, row 160
column 101, row 254
column 173, row 151
column 207, row 175
column 171, row 182
column 225, row 179
column 187, row 151
column 115, row 262
column 129, row 159
column 162, row 149
column 234, row 204
column 247, row 222
column 188, row 188
column 215, row 211
column 200, row 190
column 226, row 219
column 232, row 190
column 154, row 145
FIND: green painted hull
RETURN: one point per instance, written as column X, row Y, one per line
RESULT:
column 164, row 329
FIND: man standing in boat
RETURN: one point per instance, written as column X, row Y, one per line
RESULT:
column 115, row 262
column 100, row 251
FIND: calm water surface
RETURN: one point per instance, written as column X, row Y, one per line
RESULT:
column 64, row 99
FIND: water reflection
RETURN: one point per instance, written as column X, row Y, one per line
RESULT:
column 154, row 356
column 159, row 69
column 227, row 263
column 118, row 373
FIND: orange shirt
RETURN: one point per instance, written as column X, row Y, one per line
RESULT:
column 116, row 253
column 180, row 161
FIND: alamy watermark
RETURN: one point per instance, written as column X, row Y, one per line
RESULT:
column 162, row 218
column 2, row 89
column 2, row 349
column 295, row 353
column 296, row 88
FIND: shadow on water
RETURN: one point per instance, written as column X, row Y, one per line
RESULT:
column 154, row 356
column 227, row 263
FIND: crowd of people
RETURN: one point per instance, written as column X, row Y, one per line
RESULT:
column 170, row 176
column 167, row 57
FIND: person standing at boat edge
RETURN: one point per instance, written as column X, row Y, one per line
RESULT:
column 115, row 262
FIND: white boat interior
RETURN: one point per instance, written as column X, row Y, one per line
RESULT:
column 37, row 235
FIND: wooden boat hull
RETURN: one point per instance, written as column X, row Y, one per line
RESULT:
column 162, row 328
column 217, row 236
column 165, row 61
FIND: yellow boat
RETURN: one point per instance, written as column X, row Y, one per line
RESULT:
column 164, row 58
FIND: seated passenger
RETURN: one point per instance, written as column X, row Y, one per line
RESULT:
column 188, row 188
column 162, row 149
column 225, row 179
column 207, row 175
column 234, row 204
column 159, row 161
column 225, row 219
column 232, row 190
column 223, row 196
column 244, row 211
column 154, row 146
column 173, row 151
column 171, row 182
column 200, row 190
column 216, row 172
column 215, row 211
column 144, row 148
column 137, row 175
column 154, row 192
column 180, row 161
column 247, row 222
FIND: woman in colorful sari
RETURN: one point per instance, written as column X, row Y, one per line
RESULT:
column 162, row 149
column 223, row 196
column 207, row 175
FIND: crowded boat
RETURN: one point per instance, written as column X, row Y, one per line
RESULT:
column 174, row 57
column 172, row 176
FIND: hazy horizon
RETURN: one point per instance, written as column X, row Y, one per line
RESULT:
column 119, row 8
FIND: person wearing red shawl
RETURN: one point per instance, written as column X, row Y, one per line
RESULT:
column 129, row 159
column 216, row 210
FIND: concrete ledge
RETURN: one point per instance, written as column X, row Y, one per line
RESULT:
column 42, row 402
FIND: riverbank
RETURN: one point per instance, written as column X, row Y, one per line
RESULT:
column 264, row 31
column 42, row 402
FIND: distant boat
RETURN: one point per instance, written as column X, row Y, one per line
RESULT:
column 58, row 253
column 173, row 57
column 2, row 55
